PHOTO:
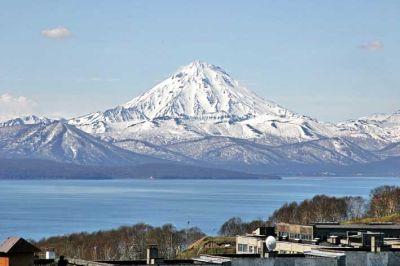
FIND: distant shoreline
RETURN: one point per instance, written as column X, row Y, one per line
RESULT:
column 194, row 178
column 153, row 179
column 45, row 169
column 30, row 169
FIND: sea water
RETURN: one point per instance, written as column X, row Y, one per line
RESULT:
column 42, row 208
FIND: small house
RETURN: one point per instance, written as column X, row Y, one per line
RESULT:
column 16, row 251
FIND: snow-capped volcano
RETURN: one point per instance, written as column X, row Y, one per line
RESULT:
column 198, row 91
column 200, row 100
column 202, row 91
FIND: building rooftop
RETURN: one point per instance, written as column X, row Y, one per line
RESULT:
column 14, row 245
column 320, row 253
column 212, row 259
column 359, row 226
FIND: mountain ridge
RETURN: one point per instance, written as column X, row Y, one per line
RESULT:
column 201, row 115
column 62, row 142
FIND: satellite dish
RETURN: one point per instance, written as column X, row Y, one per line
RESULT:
column 270, row 243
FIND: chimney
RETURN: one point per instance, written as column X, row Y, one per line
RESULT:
column 152, row 254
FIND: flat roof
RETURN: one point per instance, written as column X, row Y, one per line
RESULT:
column 212, row 259
column 359, row 226
column 253, row 236
column 326, row 254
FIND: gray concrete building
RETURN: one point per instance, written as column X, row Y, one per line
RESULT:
column 254, row 243
column 322, row 231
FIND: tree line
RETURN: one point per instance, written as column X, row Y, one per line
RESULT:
column 383, row 201
column 124, row 243
column 130, row 242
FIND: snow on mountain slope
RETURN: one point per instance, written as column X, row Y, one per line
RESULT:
column 391, row 150
column 372, row 132
column 336, row 150
column 392, row 123
column 101, row 122
column 220, row 150
column 202, row 91
column 223, row 150
column 148, row 148
column 197, row 101
column 27, row 120
column 64, row 143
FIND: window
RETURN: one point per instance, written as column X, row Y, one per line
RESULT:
column 251, row 249
column 242, row 247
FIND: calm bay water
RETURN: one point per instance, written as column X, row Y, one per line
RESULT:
column 36, row 209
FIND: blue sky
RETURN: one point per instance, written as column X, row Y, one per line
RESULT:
column 331, row 60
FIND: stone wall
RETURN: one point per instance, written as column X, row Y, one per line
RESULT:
column 363, row 258
column 286, row 261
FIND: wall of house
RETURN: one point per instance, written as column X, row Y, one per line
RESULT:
column 21, row 260
column 249, row 241
column 289, row 247
column 295, row 231
column 353, row 258
column 324, row 232
column 4, row 261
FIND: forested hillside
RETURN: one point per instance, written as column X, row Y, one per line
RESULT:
column 130, row 242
